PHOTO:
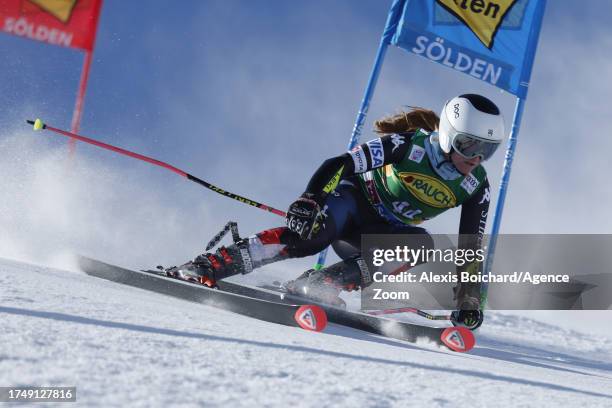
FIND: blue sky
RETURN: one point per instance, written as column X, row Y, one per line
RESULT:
column 253, row 96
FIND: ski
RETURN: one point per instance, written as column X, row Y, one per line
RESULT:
column 306, row 316
column 413, row 310
column 378, row 312
column 457, row 338
column 278, row 307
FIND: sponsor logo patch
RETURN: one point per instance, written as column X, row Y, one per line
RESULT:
column 333, row 183
column 397, row 140
column 308, row 319
column 469, row 183
column 372, row 192
column 404, row 209
column 366, row 278
column 416, row 154
column 377, row 154
column 359, row 159
column 458, row 339
column 428, row 190
column 311, row 317
column 486, row 197
column 246, row 260
column 455, row 339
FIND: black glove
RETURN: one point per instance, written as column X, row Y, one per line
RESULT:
column 302, row 216
column 472, row 319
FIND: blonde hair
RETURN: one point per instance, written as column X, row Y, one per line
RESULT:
column 402, row 122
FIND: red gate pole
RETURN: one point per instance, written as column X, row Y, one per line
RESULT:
column 78, row 108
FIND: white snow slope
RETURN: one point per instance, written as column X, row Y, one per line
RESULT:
column 123, row 346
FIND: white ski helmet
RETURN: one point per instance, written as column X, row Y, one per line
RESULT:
column 472, row 125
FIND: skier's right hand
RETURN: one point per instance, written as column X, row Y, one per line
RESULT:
column 302, row 216
column 472, row 319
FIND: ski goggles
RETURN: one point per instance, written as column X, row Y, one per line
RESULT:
column 470, row 146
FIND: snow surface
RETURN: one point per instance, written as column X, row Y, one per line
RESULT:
column 122, row 346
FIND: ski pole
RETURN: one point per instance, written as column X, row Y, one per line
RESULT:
column 39, row 125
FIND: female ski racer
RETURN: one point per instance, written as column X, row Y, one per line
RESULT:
column 388, row 185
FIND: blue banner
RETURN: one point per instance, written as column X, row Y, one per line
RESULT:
column 492, row 40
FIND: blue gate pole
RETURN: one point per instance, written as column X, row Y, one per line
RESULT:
column 503, row 188
column 367, row 97
column 390, row 27
column 516, row 124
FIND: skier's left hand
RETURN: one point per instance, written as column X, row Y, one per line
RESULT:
column 302, row 216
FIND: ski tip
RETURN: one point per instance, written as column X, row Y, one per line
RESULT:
column 458, row 339
column 311, row 317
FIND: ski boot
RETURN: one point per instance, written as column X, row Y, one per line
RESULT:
column 324, row 285
column 208, row 268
